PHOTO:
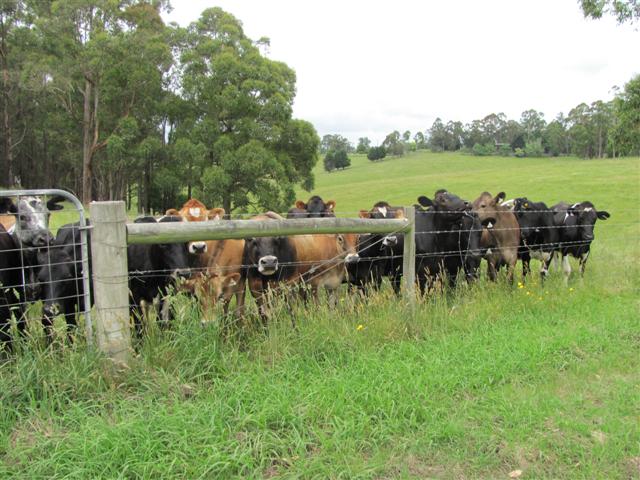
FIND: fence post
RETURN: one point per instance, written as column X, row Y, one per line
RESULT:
column 409, row 259
column 110, row 282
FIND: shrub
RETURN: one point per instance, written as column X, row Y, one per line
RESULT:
column 519, row 153
column 534, row 149
column 484, row 150
column 335, row 159
column 377, row 153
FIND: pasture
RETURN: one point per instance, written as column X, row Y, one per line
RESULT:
column 478, row 383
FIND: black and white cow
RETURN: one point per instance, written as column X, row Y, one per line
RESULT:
column 576, row 232
column 154, row 268
column 538, row 234
column 379, row 255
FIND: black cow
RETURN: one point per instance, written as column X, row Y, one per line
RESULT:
column 11, row 286
column 575, row 226
column 60, row 275
column 460, row 248
column 538, row 235
column 439, row 235
column 154, row 268
column 314, row 208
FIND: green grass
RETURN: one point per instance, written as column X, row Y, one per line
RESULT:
column 477, row 383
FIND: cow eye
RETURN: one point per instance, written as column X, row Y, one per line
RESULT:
column 482, row 206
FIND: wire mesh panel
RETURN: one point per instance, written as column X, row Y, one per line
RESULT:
column 44, row 260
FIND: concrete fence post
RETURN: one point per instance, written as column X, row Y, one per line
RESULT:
column 110, row 281
column 409, row 259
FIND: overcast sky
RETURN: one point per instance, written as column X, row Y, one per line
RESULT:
column 366, row 68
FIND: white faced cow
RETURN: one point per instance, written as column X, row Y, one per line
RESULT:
column 575, row 224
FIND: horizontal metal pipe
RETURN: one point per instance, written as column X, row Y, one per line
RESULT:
column 178, row 232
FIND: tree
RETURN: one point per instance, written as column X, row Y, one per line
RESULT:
column 454, row 134
column 406, row 136
column 623, row 10
column 334, row 142
column 364, row 144
column 533, row 124
column 437, row 136
column 242, row 105
column 625, row 130
column 420, row 140
column 554, row 138
column 335, row 159
column 377, row 153
column 392, row 144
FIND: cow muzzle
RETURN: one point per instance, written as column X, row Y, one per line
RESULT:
column 183, row 273
column 51, row 310
column 198, row 248
column 268, row 265
column 351, row 258
column 390, row 241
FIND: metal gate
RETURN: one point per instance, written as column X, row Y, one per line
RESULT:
column 25, row 215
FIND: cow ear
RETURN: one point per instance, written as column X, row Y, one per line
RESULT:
column 231, row 280
column 172, row 212
column 331, row 205
column 53, row 203
column 603, row 215
column 364, row 214
column 500, row 197
column 424, row 201
column 301, row 205
column 215, row 214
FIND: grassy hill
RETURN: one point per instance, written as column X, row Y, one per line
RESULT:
column 540, row 381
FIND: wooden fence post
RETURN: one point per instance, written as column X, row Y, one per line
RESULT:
column 110, row 282
column 409, row 259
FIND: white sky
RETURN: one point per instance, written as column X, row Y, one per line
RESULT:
column 366, row 68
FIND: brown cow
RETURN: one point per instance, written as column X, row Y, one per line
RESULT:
column 219, row 263
column 302, row 260
column 500, row 235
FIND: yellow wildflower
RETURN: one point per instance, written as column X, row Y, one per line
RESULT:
column 571, row 289
column 360, row 327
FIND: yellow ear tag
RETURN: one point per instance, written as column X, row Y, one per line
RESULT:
column 526, row 204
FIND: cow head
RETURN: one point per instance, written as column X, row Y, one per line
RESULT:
column 32, row 226
column 218, row 283
column 487, row 208
column 264, row 252
column 384, row 210
column 196, row 211
column 448, row 205
column 316, row 207
column 348, row 247
column 172, row 257
column 587, row 215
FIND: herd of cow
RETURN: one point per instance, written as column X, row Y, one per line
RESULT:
column 452, row 237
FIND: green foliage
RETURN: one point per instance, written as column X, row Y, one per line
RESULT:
column 504, row 150
column 519, row 153
column 335, row 142
column 625, row 134
column 622, row 10
column 377, row 153
column 534, row 148
column 336, row 159
column 483, row 150
column 364, row 144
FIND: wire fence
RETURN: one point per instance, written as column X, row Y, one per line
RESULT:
column 48, row 276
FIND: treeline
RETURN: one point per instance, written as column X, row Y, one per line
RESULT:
column 601, row 129
column 104, row 99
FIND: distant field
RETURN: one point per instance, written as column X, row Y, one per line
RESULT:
column 479, row 383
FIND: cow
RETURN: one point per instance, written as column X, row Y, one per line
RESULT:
column 501, row 234
column 303, row 260
column 460, row 248
column 314, row 208
column 440, row 240
column 217, row 263
column 153, row 269
column 60, row 275
column 538, row 234
column 379, row 255
column 576, row 232
column 11, row 287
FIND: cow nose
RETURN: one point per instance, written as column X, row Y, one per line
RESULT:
column 390, row 241
column 588, row 238
column 42, row 239
column 351, row 258
column 51, row 310
column 268, row 264
column 182, row 273
column 197, row 248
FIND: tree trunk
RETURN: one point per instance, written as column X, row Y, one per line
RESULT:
column 226, row 204
column 6, row 119
column 87, row 154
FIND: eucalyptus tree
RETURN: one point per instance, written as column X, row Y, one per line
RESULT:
column 242, row 103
